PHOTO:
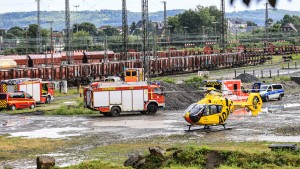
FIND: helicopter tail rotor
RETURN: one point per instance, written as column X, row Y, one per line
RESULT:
column 254, row 103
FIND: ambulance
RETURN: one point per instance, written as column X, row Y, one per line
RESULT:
column 113, row 98
column 231, row 89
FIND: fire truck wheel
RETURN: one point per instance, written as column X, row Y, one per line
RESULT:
column 32, row 106
column 13, row 107
column 143, row 112
column 152, row 109
column 48, row 99
column 115, row 111
column 105, row 114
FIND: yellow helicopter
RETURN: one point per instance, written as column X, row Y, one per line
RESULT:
column 214, row 109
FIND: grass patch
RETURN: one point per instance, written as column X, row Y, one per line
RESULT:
column 204, row 157
column 96, row 164
column 12, row 148
column 194, row 79
column 118, row 153
column 71, row 91
column 76, row 109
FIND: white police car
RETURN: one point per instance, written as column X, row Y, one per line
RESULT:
column 269, row 91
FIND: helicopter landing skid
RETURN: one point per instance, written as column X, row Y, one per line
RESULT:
column 207, row 128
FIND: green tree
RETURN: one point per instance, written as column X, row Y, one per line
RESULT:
column 195, row 20
column 32, row 32
column 110, row 31
column 132, row 27
column 16, row 31
column 87, row 27
column 275, row 28
column 81, row 40
column 251, row 23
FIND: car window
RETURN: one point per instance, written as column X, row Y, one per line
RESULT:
column 263, row 87
column 2, row 96
column 157, row 90
column 269, row 88
column 134, row 73
column 128, row 73
column 277, row 87
column 27, row 95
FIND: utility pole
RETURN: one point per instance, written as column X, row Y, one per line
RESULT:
column 266, row 20
column 124, row 29
column 184, row 28
column 26, row 37
column 222, row 25
column 76, row 6
column 38, row 42
column 145, row 32
column 165, row 17
column 67, row 29
column 51, row 36
column 105, row 50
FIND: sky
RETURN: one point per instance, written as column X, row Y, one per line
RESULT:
column 135, row 5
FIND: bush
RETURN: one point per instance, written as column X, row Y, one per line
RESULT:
column 194, row 79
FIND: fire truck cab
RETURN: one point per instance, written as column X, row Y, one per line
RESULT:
column 41, row 91
column 113, row 98
column 16, row 100
column 231, row 89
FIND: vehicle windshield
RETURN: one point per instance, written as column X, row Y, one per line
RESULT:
column 2, row 96
column 264, row 87
column 157, row 90
column 194, row 109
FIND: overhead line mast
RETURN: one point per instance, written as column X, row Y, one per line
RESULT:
column 165, row 17
column 67, row 29
column 266, row 20
column 223, row 25
column 124, row 29
column 145, row 32
column 38, row 42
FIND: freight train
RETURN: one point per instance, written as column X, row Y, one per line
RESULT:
column 90, row 65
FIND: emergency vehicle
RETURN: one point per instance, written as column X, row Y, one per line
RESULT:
column 41, row 91
column 113, row 98
column 16, row 100
column 130, row 75
column 133, row 74
column 230, row 89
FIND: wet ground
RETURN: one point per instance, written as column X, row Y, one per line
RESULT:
column 264, row 127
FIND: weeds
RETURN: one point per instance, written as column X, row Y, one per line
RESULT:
column 194, row 79
column 166, row 79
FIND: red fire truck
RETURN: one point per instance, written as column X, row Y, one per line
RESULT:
column 41, row 91
column 113, row 98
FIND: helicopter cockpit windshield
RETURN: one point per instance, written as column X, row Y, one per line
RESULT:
column 195, row 111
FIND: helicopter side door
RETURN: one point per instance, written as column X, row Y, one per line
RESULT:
column 211, row 114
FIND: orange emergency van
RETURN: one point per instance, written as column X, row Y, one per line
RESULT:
column 16, row 100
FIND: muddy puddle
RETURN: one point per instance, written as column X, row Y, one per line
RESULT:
column 50, row 133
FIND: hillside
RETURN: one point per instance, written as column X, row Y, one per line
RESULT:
column 99, row 18
column 113, row 17
column 258, row 16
